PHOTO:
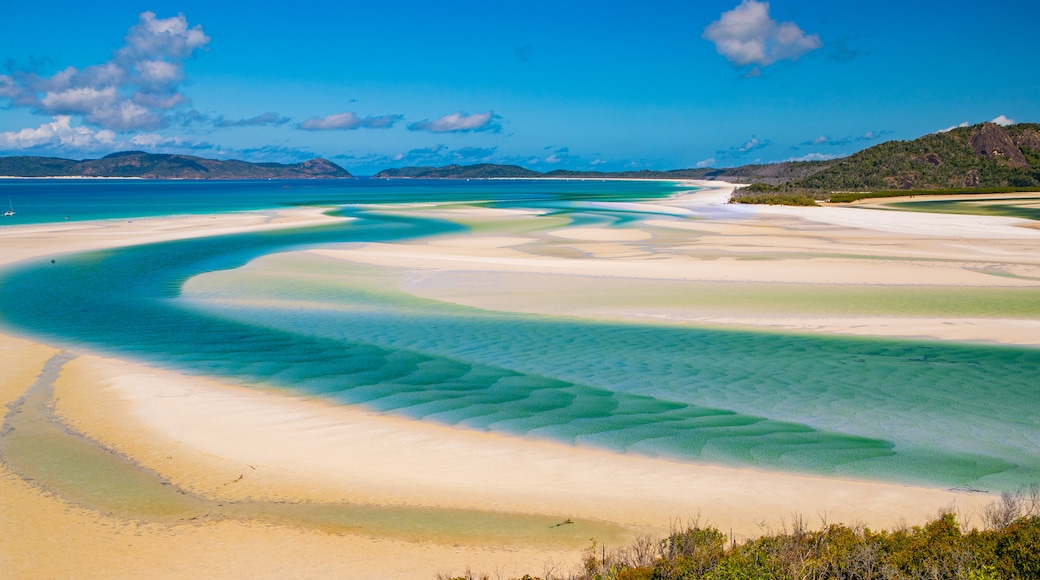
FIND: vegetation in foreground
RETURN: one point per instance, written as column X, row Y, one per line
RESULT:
column 1007, row 548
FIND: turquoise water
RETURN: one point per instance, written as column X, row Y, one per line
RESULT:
column 55, row 200
column 938, row 414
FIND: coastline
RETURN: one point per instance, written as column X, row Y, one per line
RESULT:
column 202, row 434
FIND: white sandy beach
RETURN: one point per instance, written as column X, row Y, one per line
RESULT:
column 752, row 247
column 201, row 434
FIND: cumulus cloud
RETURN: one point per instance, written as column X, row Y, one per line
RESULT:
column 348, row 122
column 133, row 90
column 58, row 132
column 1003, row 121
column 747, row 35
column 460, row 123
column 709, row 162
column 61, row 137
column 257, row 121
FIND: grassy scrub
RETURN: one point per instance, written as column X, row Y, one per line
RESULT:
column 1008, row 547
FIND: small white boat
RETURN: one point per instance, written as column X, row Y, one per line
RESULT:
column 9, row 212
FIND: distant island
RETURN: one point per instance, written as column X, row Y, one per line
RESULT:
column 775, row 172
column 980, row 158
column 162, row 166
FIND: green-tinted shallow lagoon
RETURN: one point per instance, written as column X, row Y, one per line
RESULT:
column 1019, row 207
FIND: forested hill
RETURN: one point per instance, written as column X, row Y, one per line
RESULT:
column 161, row 166
column 985, row 155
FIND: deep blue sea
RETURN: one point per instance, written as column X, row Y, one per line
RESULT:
column 939, row 414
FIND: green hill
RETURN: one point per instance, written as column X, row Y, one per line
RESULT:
column 161, row 166
column 984, row 157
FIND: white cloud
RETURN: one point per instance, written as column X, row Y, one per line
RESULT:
column 948, row 129
column 1003, row 121
column 80, row 100
column 348, row 122
column 162, row 37
column 59, row 132
column 159, row 71
column 458, row 123
column 752, row 144
column 709, row 162
column 125, row 116
column 131, row 91
column 748, row 35
column 60, row 137
column 814, row 157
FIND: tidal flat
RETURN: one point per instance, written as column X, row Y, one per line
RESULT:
column 534, row 361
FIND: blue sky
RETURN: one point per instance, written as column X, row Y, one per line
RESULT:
column 547, row 85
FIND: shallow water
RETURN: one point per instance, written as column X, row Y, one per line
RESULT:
column 897, row 410
column 1018, row 207
column 36, row 446
column 939, row 414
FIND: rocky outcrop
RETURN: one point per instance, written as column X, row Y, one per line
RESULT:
column 991, row 140
column 1028, row 139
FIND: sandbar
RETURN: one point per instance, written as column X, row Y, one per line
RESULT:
column 230, row 442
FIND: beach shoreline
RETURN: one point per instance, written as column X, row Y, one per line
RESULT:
column 201, row 434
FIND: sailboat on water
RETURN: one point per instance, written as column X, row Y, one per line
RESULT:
column 9, row 212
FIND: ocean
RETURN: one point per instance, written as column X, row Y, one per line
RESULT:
column 930, row 413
